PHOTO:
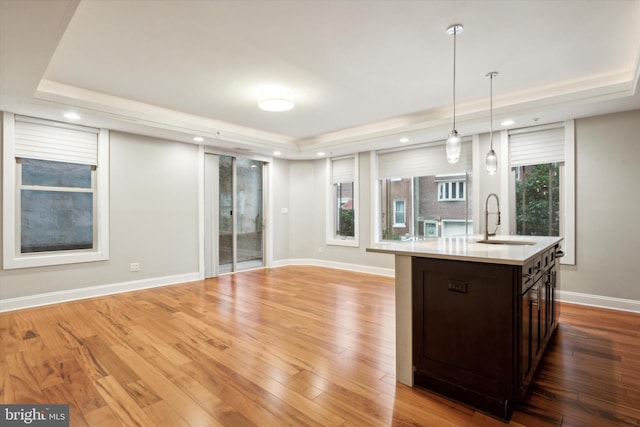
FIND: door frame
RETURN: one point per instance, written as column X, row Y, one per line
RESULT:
column 209, row 221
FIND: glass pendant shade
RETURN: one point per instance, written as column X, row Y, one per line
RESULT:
column 491, row 162
column 453, row 147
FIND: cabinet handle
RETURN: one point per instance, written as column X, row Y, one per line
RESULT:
column 536, row 301
column 528, row 276
column 559, row 253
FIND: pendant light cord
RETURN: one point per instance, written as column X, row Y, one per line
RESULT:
column 454, row 76
column 491, row 109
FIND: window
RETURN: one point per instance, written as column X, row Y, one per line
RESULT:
column 399, row 213
column 451, row 191
column 55, row 193
column 542, row 183
column 537, row 193
column 419, row 195
column 342, row 220
column 56, row 205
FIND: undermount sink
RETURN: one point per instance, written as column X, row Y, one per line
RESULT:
column 506, row 242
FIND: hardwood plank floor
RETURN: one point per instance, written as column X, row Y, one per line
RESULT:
column 286, row 346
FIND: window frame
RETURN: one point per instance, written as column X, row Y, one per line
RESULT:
column 567, row 191
column 397, row 224
column 451, row 184
column 12, row 256
column 332, row 206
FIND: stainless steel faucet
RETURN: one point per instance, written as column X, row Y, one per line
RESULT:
column 486, row 216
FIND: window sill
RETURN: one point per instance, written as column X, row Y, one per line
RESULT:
column 42, row 260
column 345, row 242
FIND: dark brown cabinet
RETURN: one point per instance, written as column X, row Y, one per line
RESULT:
column 479, row 329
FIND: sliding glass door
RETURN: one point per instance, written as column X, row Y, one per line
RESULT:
column 234, row 214
column 249, row 238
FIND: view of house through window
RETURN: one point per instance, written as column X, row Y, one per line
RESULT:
column 344, row 215
column 537, row 197
column 342, row 204
column 56, row 206
column 414, row 208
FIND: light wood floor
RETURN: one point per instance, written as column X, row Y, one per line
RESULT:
column 286, row 346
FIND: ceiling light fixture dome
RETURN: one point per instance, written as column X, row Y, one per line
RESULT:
column 454, row 145
column 491, row 161
column 276, row 98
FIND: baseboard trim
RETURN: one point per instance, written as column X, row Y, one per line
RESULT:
column 31, row 301
column 38, row 300
column 378, row 271
column 599, row 301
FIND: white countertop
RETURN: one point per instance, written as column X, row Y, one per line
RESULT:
column 467, row 249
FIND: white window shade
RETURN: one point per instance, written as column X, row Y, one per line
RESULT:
column 536, row 146
column 422, row 161
column 342, row 170
column 45, row 140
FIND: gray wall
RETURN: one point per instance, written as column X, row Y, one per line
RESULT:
column 281, row 200
column 154, row 214
column 308, row 234
column 607, row 207
column 153, row 221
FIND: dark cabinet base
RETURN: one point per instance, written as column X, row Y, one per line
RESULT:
column 475, row 329
column 501, row 408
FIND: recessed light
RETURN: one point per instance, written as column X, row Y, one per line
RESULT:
column 507, row 123
column 72, row 116
column 404, row 140
column 198, row 138
column 320, row 153
column 277, row 153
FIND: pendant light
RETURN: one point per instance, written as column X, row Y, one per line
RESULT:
column 453, row 141
column 491, row 161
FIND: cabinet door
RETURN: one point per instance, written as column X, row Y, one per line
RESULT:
column 525, row 339
column 551, row 318
column 463, row 317
column 530, row 338
column 543, row 304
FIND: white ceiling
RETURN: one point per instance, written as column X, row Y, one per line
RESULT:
column 364, row 72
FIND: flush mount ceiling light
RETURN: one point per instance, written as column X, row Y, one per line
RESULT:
column 491, row 161
column 275, row 98
column 453, row 141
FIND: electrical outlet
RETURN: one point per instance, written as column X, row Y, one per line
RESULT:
column 134, row 266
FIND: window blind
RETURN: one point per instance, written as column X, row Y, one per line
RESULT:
column 535, row 146
column 56, row 141
column 342, row 170
column 422, row 161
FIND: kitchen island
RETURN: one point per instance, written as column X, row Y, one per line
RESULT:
column 473, row 319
